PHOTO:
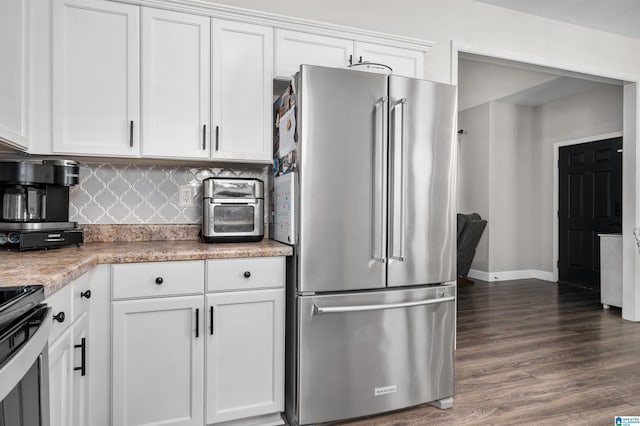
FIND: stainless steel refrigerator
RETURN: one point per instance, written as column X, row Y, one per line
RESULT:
column 371, row 285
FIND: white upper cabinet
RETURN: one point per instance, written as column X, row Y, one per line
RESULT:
column 14, row 51
column 295, row 48
column 242, row 60
column 404, row 62
column 175, row 84
column 96, row 78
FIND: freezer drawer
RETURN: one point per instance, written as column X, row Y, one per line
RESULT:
column 366, row 353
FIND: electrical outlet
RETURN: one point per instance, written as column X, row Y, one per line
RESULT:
column 185, row 197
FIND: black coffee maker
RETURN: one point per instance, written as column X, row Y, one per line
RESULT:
column 34, row 204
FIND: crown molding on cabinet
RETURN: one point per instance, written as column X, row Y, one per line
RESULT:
column 285, row 22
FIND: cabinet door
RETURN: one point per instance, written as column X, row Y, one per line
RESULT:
column 96, row 81
column 294, row 49
column 158, row 361
column 404, row 62
column 61, row 379
column 245, row 354
column 175, row 84
column 242, row 90
column 80, row 371
column 14, row 51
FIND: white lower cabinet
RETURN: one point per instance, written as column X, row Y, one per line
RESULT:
column 181, row 359
column 69, row 360
column 245, row 354
column 68, row 379
column 61, row 379
column 158, row 359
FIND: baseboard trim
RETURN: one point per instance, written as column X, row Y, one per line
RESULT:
column 511, row 275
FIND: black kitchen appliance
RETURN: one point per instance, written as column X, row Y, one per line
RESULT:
column 24, row 368
column 34, row 204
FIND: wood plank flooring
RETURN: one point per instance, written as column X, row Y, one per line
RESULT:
column 534, row 352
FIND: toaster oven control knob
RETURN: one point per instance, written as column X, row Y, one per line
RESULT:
column 59, row 317
column 247, row 274
column 159, row 280
column 86, row 294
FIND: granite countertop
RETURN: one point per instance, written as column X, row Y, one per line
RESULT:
column 56, row 268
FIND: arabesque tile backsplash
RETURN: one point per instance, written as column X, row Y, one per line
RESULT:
column 132, row 194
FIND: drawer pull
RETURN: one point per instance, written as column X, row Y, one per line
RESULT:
column 159, row 280
column 211, row 320
column 86, row 294
column 247, row 274
column 197, row 322
column 83, row 355
column 59, row 317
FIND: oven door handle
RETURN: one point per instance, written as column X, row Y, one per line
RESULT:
column 12, row 372
column 237, row 201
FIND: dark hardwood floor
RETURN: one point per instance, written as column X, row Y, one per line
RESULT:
column 533, row 352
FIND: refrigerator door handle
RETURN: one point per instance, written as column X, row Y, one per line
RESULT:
column 397, row 235
column 379, row 212
column 359, row 308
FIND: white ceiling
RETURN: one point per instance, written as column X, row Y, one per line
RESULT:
column 614, row 16
column 550, row 91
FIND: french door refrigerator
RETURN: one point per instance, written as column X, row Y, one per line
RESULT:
column 371, row 285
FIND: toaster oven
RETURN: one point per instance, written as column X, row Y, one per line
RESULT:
column 232, row 210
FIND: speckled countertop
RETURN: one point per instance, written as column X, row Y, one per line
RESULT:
column 56, row 268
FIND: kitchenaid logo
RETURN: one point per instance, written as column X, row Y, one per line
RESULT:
column 385, row 390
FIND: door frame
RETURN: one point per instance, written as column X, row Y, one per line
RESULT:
column 556, row 180
column 630, row 163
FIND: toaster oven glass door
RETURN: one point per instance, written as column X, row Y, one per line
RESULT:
column 234, row 218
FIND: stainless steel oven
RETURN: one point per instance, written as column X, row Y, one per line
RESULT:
column 232, row 210
column 24, row 366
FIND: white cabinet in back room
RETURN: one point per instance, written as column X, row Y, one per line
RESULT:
column 176, row 74
column 96, row 78
column 14, row 76
column 242, row 61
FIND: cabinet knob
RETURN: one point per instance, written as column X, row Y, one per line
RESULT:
column 247, row 274
column 86, row 294
column 59, row 317
column 159, row 280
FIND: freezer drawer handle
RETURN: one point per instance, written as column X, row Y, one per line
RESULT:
column 358, row 308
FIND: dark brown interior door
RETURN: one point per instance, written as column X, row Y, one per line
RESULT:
column 590, row 203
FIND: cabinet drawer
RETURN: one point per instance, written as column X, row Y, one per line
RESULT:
column 158, row 279
column 61, row 307
column 245, row 273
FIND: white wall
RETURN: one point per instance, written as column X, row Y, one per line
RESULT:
column 473, row 173
column 514, row 189
column 497, row 178
column 589, row 114
column 480, row 82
